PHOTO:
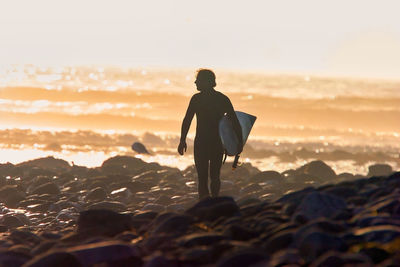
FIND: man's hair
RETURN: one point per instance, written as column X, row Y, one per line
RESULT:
column 208, row 75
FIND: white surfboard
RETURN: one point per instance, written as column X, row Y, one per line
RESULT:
column 228, row 135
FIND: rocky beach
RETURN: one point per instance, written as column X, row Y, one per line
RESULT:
column 131, row 213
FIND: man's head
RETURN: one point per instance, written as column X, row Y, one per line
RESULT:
column 205, row 79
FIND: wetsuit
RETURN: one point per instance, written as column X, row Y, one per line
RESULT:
column 209, row 107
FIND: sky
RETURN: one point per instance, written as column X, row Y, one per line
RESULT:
column 341, row 37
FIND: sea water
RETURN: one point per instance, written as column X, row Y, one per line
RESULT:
column 88, row 114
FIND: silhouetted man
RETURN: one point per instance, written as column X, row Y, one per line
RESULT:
column 209, row 106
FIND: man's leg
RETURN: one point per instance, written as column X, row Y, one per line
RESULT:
column 201, row 161
column 215, row 170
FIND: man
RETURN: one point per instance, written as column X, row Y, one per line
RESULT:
column 209, row 106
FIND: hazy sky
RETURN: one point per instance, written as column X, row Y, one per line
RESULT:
column 347, row 37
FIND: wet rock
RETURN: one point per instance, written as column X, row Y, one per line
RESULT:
column 97, row 194
column 48, row 188
column 24, row 237
column 201, row 239
column 238, row 232
column 122, row 165
column 381, row 233
column 108, row 205
column 12, row 221
column 242, row 258
column 379, row 170
column 212, row 208
column 318, row 169
column 334, row 258
column 287, row 257
column 103, row 222
column 48, row 163
column 11, row 195
column 153, row 207
column 314, row 244
column 319, row 204
column 341, row 191
column 11, row 258
column 271, row 177
column 279, row 241
column 174, row 224
column 59, row 259
column 110, row 252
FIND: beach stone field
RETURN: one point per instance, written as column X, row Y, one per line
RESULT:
column 131, row 213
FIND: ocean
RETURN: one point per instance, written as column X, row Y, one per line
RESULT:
column 86, row 114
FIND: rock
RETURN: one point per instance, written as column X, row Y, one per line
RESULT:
column 59, row 259
column 24, row 237
column 139, row 148
column 238, row 232
column 49, row 163
column 153, row 207
column 319, row 204
column 11, row 258
column 122, row 165
column 379, row 170
column 334, row 258
column 314, row 244
column 174, row 224
column 318, row 169
column 103, row 222
column 200, row 239
column 110, row 252
column 241, row 258
column 270, row 177
column 11, row 195
column 211, row 209
column 48, row 188
column 279, row 241
column 342, row 191
column 289, row 257
column 380, row 233
column 11, row 221
column 95, row 195
column 108, row 205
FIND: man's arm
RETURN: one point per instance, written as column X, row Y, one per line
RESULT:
column 236, row 125
column 185, row 126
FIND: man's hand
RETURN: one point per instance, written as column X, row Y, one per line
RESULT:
column 182, row 147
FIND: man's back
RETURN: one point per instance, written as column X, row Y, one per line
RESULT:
column 209, row 107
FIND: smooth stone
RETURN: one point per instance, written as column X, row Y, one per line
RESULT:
column 342, row 191
column 279, row 241
column 238, row 232
column 241, row 258
column 139, row 148
column 380, row 233
column 213, row 208
column 108, row 205
column 270, row 177
column 153, row 207
column 12, row 258
column 58, row 258
column 47, row 188
column 174, row 224
column 289, row 257
column 11, row 196
column 251, row 189
column 379, row 170
column 110, row 252
column 103, row 222
column 200, row 239
column 320, row 204
column 334, row 259
column 314, row 244
column 12, row 221
column 318, row 169
column 97, row 194
column 123, row 165
column 24, row 237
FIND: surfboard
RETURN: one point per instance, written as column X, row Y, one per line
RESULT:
column 228, row 135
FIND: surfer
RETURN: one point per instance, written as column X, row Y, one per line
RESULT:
column 209, row 106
